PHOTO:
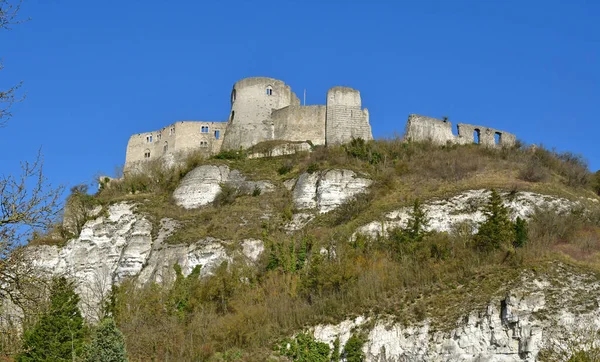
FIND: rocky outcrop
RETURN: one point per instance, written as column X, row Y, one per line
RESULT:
column 542, row 312
column 120, row 245
column 202, row 185
column 327, row 190
column 467, row 208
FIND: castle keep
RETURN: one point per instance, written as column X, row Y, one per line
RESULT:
column 262, row 109
column 266, row 109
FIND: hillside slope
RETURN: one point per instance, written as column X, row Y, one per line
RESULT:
column 228, row 258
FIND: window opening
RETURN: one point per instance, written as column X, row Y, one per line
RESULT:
column 233, row 94
column 497, row 137
column 149, row 139
column 166, row 147
column 147, row 154
column 476, row 135
column 269, row 91
column 217, row 134
column 232, row 115
column 172, row 131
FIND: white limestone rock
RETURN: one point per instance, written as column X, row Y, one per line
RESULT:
column 467, row 207
column 327, row 190
column 120, row 245
column 202, row 185
column 534, row 315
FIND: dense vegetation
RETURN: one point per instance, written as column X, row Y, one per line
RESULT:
column 322, row 274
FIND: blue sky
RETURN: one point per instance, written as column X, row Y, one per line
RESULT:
column 97, row 72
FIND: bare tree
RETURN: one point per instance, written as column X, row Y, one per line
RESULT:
column 8, row 17
column 27, row 201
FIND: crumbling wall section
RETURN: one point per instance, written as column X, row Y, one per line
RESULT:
column 421, row 128
column 300, row 123
column 438, row 131
column 487, row 136
column 345, row 118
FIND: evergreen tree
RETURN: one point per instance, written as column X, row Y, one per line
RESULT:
column 417, row 222
column 59, row 334
column 497, row 230
column 108, row 344
column 521, row 236
column 353, row 349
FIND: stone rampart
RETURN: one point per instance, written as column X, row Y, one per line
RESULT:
column 300, row 123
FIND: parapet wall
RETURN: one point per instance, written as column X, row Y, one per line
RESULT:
column 300, row 123
column 421, row 128
column 345, row 118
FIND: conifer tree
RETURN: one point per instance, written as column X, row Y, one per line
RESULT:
column 108, row 344
column 497, row 230
column 59, row 334
column 417, row 222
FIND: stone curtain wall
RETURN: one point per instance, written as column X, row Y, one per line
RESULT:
column 421, row 128
column 250, row 116
column 345, row 118
column 300, row 123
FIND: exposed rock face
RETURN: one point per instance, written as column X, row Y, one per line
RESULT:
column 466, row 207
column 121, row 245
column 327, row 190
column 537, row 314
column 202, row 185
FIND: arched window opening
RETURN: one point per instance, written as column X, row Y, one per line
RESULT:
column 147, row 153
column 232, row 115
column 233, row 94
column 269, row 91
column 217, row 134
column 159, row 136
column 166, row 147
column 476, row 134
column 204, row 129
column 149, row 139
column 203, row 144
column 172, row 131
column 497, row 138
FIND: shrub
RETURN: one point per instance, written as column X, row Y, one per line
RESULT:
column 534, row 171
column 352, row 208
column 107, row 344
column 520, row 233
column 256, row 192
column 596, row 182
column 497, row 230
column 227, row 195
column 304, row 348
column 285, row 168
column 312, row 168
column 231, row 155
column 59, row 333
column 362, row 150
column 353, row 349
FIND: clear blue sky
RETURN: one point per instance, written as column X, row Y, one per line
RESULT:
column 97, row 71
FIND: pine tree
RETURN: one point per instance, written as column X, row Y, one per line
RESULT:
column 108, row 344
column 521, row 236
column 59, row 333
column 497, row 230
column 417, row 222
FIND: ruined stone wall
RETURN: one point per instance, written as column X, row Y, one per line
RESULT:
column 421, row 128
column 300, row 123
column 345, row 118
column 252, row 102
column 177, row 138
column 487, row 136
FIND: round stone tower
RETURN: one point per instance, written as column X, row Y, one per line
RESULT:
column 252, row 102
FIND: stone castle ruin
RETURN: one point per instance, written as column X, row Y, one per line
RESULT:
column 438, row 131
column 266, row 109
column 262, row 109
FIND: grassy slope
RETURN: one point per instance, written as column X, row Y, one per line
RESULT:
column 279, row 298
